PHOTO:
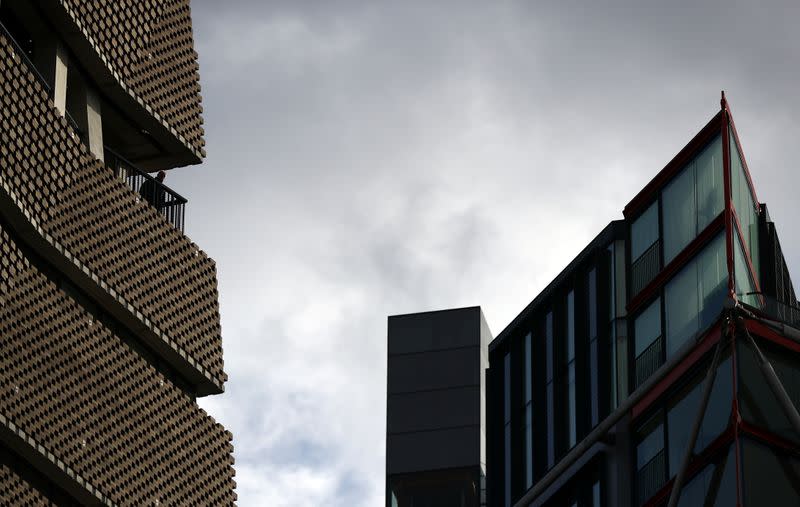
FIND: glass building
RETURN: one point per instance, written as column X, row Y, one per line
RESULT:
column 662, row 366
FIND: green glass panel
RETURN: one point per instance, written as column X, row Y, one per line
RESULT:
column 745, row 205
column 647, row 327
column 693, row 299
column 644, row 231
column 680, row 213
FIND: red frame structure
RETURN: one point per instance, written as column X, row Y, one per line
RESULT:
column 728, row 220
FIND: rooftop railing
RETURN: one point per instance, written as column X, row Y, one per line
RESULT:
column 168, row 203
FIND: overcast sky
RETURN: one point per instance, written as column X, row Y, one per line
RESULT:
column 376, row 158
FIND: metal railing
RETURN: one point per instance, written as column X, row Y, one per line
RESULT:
column 168, row 203
column 770, row 307
column 645, row 268
column 651, row 477
column 649, row 361
column 19, row 51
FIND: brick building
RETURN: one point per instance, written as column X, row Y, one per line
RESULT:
column 109, row 313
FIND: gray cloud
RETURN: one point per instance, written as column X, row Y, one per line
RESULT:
column 368, row 159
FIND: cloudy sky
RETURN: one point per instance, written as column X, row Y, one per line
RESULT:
column 376, row 158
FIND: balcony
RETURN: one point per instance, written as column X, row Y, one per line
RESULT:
column 649, row 361
column 651, row 477
column 645, row 268
column 166, row 201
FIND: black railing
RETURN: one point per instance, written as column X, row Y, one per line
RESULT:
column 651, row 477
column 649, row 361
column 645, row 268
column 169, row 204
column 22, row 54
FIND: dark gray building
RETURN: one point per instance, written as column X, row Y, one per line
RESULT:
column 435, row 440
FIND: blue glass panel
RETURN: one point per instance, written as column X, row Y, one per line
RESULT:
column 507, row 388
column 528, row 358
column 528, row 447
column 507, row 469
column 572, row 417
column 548, row 338
column 570, row 326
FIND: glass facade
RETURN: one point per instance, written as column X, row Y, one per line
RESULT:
column 553, row 382
column 571, row 415
column 647, row 327
column 744, row 280
column 744, row 204
column 692, row 200
column 771, row 477
column 528, row 398
column 663, row 438
column 550, row 394
column 714, row 485
column 507, row 426
column 757, row 403
column 683, row 411
column 693, row 299
column 644, row 231
column 594, row 366
column 572, row 368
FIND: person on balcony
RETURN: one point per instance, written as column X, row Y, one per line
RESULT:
column 154, row 192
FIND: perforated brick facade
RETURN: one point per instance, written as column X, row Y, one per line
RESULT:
column 101, row 221
column 149, row 44
column 17, row 491
column 109, row 315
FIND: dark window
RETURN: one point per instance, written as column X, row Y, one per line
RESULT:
column 528, row 413
column 758, row 404
column 571, row 394
column 650, row 459
column 594, row 373
column 551, row 424
column 507, row 426
column 664, row 437
column 683, row 411
column 714, row 485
